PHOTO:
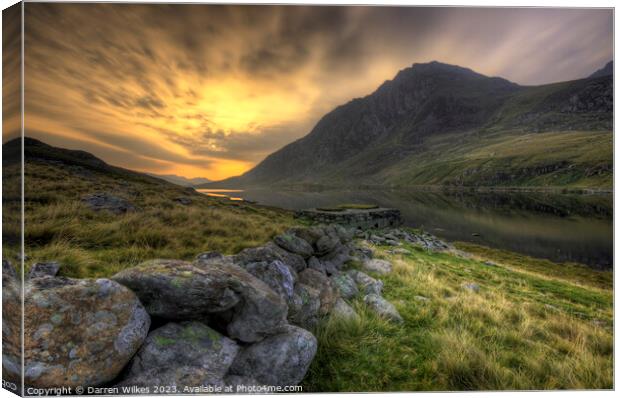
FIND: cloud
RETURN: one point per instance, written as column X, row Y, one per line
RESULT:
column 209, row 91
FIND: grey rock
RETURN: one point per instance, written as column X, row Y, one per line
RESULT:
column 345, row 285
column 367, row 284
column 382, row 307
column 294, row 244
column 183, row 200
column 378, row 266
column 200, row 351
column 344, row 311
column 178, row 290
column 39, row 270
column 323, row 266
column 280, row 360
column 305, row 306
column 338, row 257
column 326, row 244
column 84, row 331
column 270, row 252
column 422, row 298
column 474, row 287
column 399, row 251
column 276, row 275
column 309, row 234
column 323, row 284
column 106, row 201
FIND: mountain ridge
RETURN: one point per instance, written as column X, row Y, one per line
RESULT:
column 404, row 117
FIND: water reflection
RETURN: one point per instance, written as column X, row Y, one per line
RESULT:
column 555, row 226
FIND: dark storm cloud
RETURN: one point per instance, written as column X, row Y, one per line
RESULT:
column 211, row 90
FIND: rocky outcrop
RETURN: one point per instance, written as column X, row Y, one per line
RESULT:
column 79, row 332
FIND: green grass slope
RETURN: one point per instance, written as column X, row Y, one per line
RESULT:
column 569, row 159
column 533, row 325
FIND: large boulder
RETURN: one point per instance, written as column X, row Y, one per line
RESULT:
column 80, row 332
column 293, row 244
column 345, row 285
column 383, row 308
column 182, row 352
column 323, row 284
column 304, row 307
column 280, row 360
column 178, row 290
column 270, row 252
column 367, row 284
column 377, row 265
column 276, row 275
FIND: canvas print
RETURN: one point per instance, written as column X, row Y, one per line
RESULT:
column 204, row 199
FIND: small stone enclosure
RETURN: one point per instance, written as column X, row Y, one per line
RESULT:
column 358, row 218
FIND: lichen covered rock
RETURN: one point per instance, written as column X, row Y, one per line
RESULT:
column 178, row 290
column 280, row 360
column 182, row 352
column 80, row 332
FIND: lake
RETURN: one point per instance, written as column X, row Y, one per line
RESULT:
column 560, row 227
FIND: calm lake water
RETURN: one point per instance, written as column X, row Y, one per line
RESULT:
column 561, row 227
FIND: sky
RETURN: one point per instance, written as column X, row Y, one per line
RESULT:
column 209, row 91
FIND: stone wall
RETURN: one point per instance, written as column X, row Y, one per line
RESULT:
column 357, row 218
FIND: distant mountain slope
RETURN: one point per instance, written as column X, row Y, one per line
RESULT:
column 180, row 180
column 606, row 70
column 428, row 108
column 40, row 152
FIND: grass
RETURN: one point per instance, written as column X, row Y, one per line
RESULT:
column 533, row 325
column 60, row 227
column 566, row 159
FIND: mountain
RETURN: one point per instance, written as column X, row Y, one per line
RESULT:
column 82, row 162
column 606, row 70
column 180, row 180
column 421, row 128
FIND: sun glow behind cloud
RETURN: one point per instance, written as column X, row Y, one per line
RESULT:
column 209, row 91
